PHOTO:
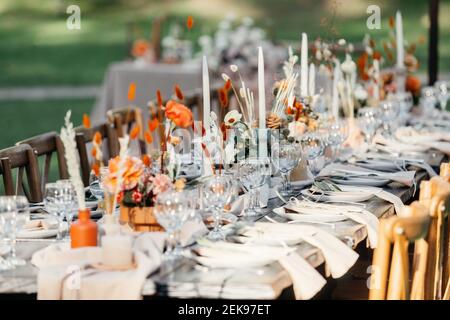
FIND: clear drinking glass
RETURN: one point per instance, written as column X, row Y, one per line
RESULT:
column 95, row 183
column 285, row 157
column 369, row 121
column 68, row 202
column 171, row 211
column 442, row 93
column 53, row 204
column 253, row 173
column 7, row 227
column 338, row 132
column 22, row 216
column 313, row 148
column 217, row 191
column 428, row 100
column 389, row 111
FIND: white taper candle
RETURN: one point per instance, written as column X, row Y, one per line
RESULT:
column 261, row 90
column 312, row 79
column 304, row 66
column 399, row 40
column 206, row 96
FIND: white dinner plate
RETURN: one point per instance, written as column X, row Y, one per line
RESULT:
column 309, row 218
column 358, row 181
column 338, row 196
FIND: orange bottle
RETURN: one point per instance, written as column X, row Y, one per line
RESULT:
column 83, row 232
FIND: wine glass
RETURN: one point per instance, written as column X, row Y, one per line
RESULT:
column 428, row 100
column 285, row 157
column 171, row 212
column 388, row 113
column 22, row 217
column 313, row 148
column 338, row 132
column 252, row 173
column 442, row 93
column 217, row 190
column 68, row 201
column 95, row 183
column 368, row 120
column 53, row 205
column 7, row 226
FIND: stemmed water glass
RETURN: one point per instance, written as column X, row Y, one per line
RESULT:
column 368, row 121
column 171, row 211
column 285, row 157
column 253, row 173
column 442, row 93
column 95, row 183
column 388, row 112
column 338, row 132
column 428, row 100
column 217, row 191
column 313, row 148
column 68, row 201
column 14, row 214
column 53, row 204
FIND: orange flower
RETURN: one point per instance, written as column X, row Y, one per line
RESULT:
column 290, row 111
column 146, row 160
column 190, row 22
column 391, row 22
column 86, row 121
column 148, row 137
column 377, row 55
column 228, row 85
column 94, row 152
column 98, row 137
column 223, row 97
column 140, row 48
column 96, row 168
column 132, row 91
column 178, row 92
column 159, row 98
column 178, row 114
column 153, row 124
column 132, row 172
column 413, row 85
column 135, row 132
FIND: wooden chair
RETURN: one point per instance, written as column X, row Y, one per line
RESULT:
column 445, row 171
column 46, row 145
column 22, row 158
column 390, row 277
column 85, row 136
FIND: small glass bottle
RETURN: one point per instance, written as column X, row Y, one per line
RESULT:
column 83, row 232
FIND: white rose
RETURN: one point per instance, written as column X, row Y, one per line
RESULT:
column 348, row 66
column 360, row 93
column 234, row 68
column 342, row 42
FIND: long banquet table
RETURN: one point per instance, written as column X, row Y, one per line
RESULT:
column 189, row 280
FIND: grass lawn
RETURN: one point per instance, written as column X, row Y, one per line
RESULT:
column 20, row 120
column 37, row 49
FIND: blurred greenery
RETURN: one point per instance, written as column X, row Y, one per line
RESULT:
column 38, row 49
column 23, row 119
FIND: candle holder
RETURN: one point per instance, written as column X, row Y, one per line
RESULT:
column 400, row 79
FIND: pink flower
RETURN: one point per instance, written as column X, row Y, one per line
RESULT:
column 137, row 196
column 161, row 183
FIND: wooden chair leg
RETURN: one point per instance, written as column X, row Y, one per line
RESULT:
column 398, row 288
column 380, row 266
column 419, row 268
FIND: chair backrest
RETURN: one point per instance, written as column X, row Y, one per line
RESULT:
column 435, row 194
column 445, row 171
column 85, row 136
column 23, row 159
column 390, row 265
column 45, row 145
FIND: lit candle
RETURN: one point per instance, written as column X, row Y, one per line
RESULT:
column 335, row 99
column 399, row 39
column 261, row 90
column 304, row 66
column 117, row 251
column 312, row 79
column 206, row 97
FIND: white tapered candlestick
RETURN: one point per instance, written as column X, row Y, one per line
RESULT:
column 304, row 66
column 399, row 40
column 206, row 97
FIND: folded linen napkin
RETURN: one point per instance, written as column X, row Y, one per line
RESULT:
column 338, row 256
column 40, row 228
column 355, row 213
column 411, row 135
column 66, row 273
column 306, row 280
column 403, row 177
